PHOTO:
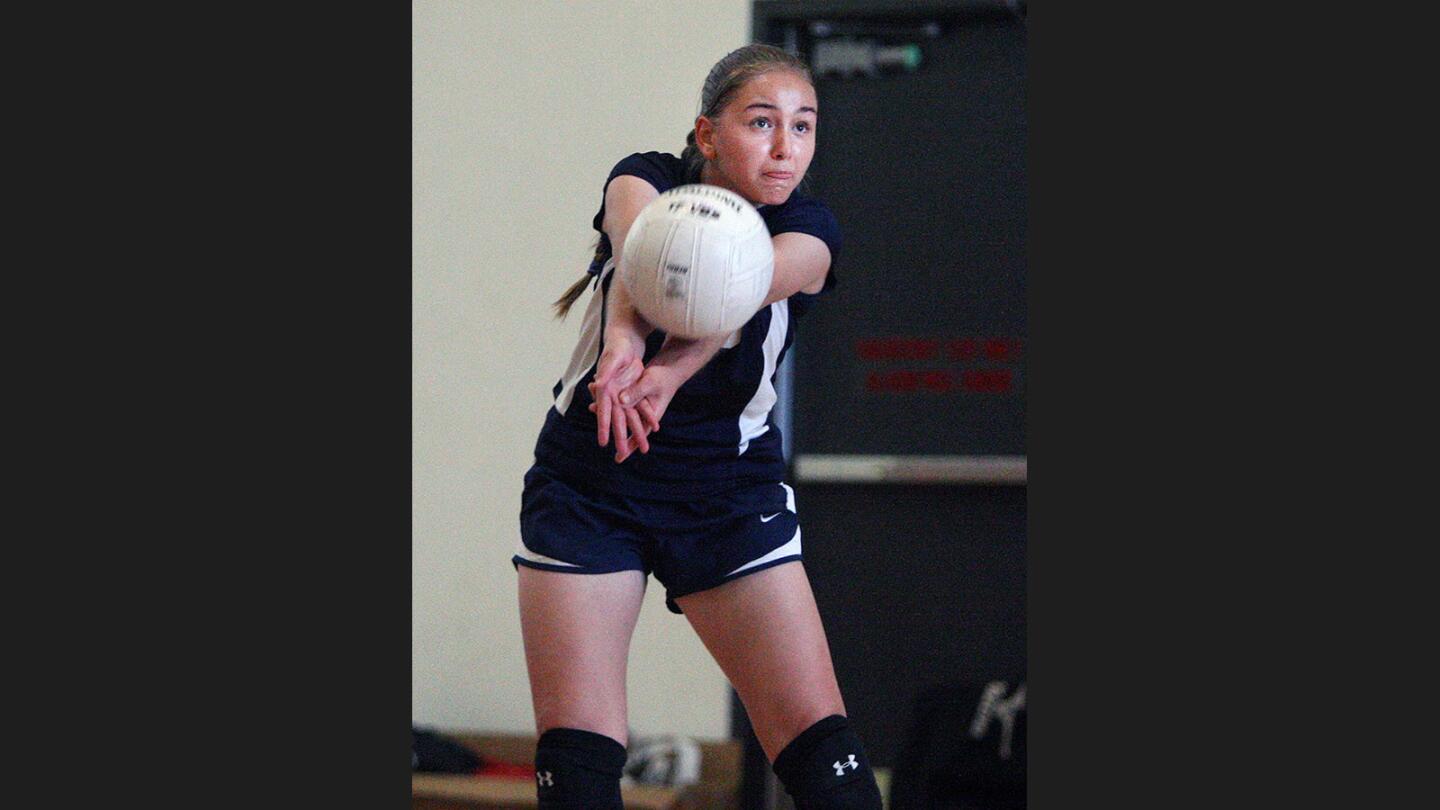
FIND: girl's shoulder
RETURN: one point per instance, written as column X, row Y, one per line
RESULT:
column 805, row 214
column 662, row 170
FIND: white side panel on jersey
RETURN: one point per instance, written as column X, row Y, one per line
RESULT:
column 789, row 496
column 587, row 348
column 790, row 549
column 752, row 419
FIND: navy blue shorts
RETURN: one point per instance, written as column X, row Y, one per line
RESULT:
column 691, row 546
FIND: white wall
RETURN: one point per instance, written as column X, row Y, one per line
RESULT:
column 520, row 108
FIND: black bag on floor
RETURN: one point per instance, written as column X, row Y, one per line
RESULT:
column 965, row 749
column 435, row 753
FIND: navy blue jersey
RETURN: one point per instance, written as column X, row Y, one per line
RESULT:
column 717, row 433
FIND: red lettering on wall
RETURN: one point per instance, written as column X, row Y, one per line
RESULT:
column 958, row 350
column 988, row 382
column 897, row 348
column 898, row 382
column 891, row 382
column 1002, row 349
column 940, row 381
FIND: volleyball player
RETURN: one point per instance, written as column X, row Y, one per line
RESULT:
column 660, row 456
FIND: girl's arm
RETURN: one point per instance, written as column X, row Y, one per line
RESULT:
column 801, row 263
column 625, row 389
column 622, row 360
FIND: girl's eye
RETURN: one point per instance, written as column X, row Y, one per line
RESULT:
column 760, row 122
column 802, row 126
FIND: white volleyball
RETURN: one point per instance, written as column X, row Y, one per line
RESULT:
column 697, row 261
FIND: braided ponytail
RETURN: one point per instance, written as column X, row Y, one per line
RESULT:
column 572, row 293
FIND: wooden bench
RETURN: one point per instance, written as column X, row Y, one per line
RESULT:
column 718, row 788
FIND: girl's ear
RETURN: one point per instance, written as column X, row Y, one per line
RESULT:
column 705, row 137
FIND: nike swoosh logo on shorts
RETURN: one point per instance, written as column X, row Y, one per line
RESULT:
column 764, row 519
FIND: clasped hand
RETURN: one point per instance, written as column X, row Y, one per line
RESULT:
column 629, row 397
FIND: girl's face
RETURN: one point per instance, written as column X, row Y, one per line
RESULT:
column 761, row 143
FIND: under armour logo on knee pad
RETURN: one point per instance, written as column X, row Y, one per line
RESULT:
column 545, row 779
column 841, row 766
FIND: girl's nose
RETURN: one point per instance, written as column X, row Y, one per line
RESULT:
column 780, row 148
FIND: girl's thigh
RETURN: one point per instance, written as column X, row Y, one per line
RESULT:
column 577, row 630
column 764, row 631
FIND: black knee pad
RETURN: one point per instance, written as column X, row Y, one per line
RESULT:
column 825, row 768
column 577, row 770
